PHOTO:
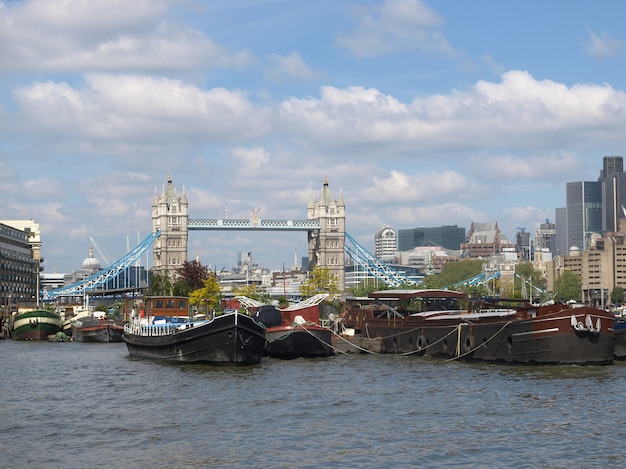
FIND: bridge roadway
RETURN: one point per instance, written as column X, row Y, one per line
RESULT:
column 253, row 224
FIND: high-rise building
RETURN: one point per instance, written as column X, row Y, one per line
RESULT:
column 449, row 237
column 560, row 218
column 243, row 258
column 613, row 180
column 583, row 212
column 385, row 242
column 592, row 207
column 522, row 241
column 546, row 238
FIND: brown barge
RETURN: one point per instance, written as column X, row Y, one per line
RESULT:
column 443, row 323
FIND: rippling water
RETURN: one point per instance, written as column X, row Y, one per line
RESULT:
column 80, row 405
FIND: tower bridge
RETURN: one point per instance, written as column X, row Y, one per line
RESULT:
column 325, row 227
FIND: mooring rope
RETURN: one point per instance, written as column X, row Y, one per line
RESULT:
column 424, row 349
column 477, row 346
column 456, row 329
column 320, row 339
column 353, row 345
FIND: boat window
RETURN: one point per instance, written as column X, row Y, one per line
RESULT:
column 158, row 304
column 181, row 304
column 170, row 304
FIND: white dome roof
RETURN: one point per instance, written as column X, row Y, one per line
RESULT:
column 91, row 263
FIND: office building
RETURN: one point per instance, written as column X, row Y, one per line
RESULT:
column 613, row 180
column 523, row 248
column 546, row 238
column 19, row 270
column 583, row 212
column 449, row 237
column 385, row 243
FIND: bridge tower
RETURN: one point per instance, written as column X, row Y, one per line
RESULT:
column 326, row 246
column 170, row 216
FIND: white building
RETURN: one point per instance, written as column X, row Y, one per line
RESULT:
column 385, row 242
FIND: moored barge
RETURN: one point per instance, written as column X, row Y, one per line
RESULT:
column 35, row 325
column 443, row 323
column 227, row 339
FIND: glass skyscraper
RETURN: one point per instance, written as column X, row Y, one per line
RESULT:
column 613, row 181
column 449, row 237
column 584, row 212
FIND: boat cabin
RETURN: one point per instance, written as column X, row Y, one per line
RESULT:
column 162, row 307
column 405, row 302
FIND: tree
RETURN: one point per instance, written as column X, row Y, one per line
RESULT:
column 208, row 297
column 320, row 280
column 617, row 295
column 475, row 291
column 190, row 276
column 160, row 284
column 454, row 272
column 568, row 286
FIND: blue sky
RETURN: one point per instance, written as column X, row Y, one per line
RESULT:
column 421, row 113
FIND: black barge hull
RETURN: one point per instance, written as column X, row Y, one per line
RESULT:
column 231, row 339
column 299, row 342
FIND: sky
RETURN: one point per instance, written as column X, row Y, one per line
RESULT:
column 420, row 113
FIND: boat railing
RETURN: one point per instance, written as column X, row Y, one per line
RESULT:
column 138, row 328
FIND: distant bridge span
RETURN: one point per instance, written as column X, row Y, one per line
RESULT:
column 258, row 224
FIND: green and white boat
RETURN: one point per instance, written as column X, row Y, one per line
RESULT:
column 36, row 325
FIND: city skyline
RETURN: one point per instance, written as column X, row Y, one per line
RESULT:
column 419, row 113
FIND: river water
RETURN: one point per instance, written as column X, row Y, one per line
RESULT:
column 81, row 405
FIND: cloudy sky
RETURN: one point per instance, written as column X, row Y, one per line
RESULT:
column 421, row 113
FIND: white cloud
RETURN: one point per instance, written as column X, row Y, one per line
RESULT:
column 111, row 35
column 290, row 67
column 113, row 108
column 602, row 46
column 507, row 168
column 519, row 110
column 114, row 112
column 249, row 162
column 393, row 26
column 421, row 188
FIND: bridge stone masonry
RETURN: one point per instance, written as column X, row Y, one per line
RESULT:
column 325, row 226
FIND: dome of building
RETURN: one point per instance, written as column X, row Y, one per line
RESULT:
column 91, row 263
column 385, row 242
column 385, row 232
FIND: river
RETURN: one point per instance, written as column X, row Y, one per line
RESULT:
column 81, row 405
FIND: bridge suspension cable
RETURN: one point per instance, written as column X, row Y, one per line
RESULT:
column 375, row 266
column 480, row 279
column 103, row 276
